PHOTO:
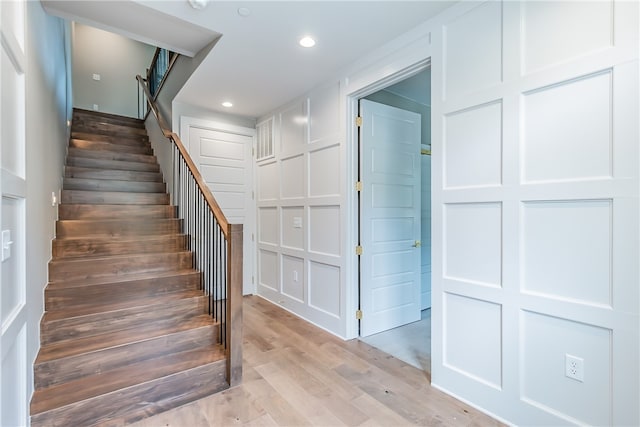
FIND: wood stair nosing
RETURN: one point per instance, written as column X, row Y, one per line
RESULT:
column 62, row 303
column 101, row 116
column 100, row 246
column 95, row 212
column 106, row 267
column 111, row 155
column 113, row 198
column 107, row 174
column 122, row 228
column 55, row 330
column 59, row 363
column 88, row 184
column 130, row 403
column 107, row 146
column 98, row 126
column 87, row 162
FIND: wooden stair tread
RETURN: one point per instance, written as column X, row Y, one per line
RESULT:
column 99, row 246
column 95, row 343
column 111, row 155
column 113, row 197
column 100, row 115
column 96, row 307
column 116, row 379
column 70, row 211
column 117, row 227
column 97, row 145
column 112, row 164
column 91, row 184
column 104, row 280
column 100, row 173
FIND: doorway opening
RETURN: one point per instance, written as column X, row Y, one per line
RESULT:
column 394, row 217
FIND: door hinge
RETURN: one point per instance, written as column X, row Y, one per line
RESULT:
column 358, row 121
column 358, row 250
column 359, row 314
column 359, row 186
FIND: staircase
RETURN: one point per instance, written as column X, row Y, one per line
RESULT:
column 125, row 334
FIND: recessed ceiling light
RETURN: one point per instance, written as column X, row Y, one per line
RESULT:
column 198, row 4
column 307, row 41
column 227, row 104
column 244, row 11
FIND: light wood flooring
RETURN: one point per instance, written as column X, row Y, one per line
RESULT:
column 295, row 374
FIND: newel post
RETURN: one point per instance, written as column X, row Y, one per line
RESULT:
column 234, row 305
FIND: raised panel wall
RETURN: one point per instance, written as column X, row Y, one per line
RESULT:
column 536, row 178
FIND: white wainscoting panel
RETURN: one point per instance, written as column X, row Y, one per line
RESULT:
column 293, row 277
column 293, row 227
column 473, row 147
column 268, row 226
column 268, row 182
column 293, row 127
column 572, row 29
column 324, row 113
column 324, row 173
column 473, row 63
column 545, row 342
column 567, row 249
column 294, row 186
column 324, row 230
column 567, row 131
column 474, row 342
column 324, row 288
column 268, row 270
column 473, row 243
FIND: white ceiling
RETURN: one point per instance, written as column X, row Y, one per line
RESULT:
column 257, row 64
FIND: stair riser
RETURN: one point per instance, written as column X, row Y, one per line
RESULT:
column 60, row 271
column 112, row 293
column 65, row 248
column 93, row 173
column 114, row 139
column 61, row 298
column 113, row 198
column 133, row 318
column 123, row 228
column 70, row 368
column 86, row 162
column 97, row 127
column 140, row 401
column 105, row 146
column 85, row 212
column 80, row 115
column 111, row 155
column 84, row 184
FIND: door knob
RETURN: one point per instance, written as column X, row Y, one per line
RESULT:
column 417, row 244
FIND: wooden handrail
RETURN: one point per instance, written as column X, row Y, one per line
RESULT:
column 211, row 201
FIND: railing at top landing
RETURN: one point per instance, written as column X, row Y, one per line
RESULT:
column 216, row 244
column 161, row 63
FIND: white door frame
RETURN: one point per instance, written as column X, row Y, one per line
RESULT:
column 186, row 123
column 352, row 96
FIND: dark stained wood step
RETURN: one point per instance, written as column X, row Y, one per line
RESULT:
column 87, row 268
column 112, row 401
column 98, row 116
column 107, row 146
column 100, row 127
column 88, row 184
column 114, row 139
column 60, row 362
column 55, row 329
column 111, row 155
column 87, row 162
column 113, row 198
column 81, row 211
column 84, row 297
column 95, row 173
column 103, row 246
column 126, row 228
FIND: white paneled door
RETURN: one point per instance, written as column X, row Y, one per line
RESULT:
column 223, row 155
column 390, row 217
column 13, row 311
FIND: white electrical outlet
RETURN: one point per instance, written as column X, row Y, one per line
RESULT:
column 95, row 107
column 574, row 367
